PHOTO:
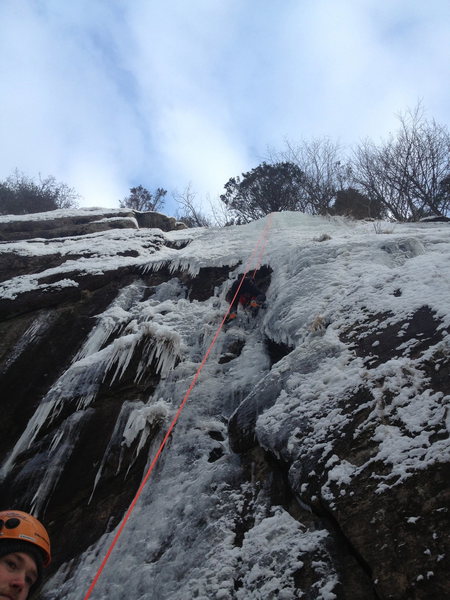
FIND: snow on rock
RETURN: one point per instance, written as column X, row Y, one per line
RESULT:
column 66, row 222
column 263, row 573
column 312, row 457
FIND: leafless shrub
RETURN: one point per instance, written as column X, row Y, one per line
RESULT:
column 382, row 228
column 407, row 173
column 318, row 324
column 189, row 211
column 325, row 171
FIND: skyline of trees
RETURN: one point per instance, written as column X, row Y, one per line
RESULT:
column 21, row 195
column 404, row 177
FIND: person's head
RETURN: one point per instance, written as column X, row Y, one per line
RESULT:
column 24, row 552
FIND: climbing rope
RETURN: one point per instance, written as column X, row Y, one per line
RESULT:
column 264, row 237
column 259, row 248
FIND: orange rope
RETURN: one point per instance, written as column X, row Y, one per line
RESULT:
column 265, row 237
column 176, row 417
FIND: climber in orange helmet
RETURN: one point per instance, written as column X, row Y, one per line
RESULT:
column 24, row 552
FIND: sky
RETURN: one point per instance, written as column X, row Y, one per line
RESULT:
column 105, row 95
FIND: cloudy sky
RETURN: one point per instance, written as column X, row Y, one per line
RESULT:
column 108, row 94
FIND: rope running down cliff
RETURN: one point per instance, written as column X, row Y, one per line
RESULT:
column 258, row 252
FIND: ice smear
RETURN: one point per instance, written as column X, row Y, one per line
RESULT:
column 134, row 424
column 34, row 331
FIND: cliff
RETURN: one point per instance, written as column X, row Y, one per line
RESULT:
column 312, row 459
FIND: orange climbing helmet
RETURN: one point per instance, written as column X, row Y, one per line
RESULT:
column 22, row 527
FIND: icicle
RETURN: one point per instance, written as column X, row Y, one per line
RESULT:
column 28, row 436
column 140, row 423
column 60, row 450
column 114, row 440
column 134, row 422
column 112, row 319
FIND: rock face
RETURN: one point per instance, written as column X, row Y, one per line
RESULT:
column 393, row 518
column 313, row 458
column 43, row 328
column 63, row 223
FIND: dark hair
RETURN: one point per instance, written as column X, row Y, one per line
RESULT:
column 8, row 546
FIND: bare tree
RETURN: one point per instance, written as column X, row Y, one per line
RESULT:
column 325, row 172
column 368, row 175
column 221, row 214
column 405, row 173
column 190, row 213
column 444, row 195
column 142, row 200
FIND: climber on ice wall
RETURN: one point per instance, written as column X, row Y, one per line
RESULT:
column 24, row 552
column 249, row 296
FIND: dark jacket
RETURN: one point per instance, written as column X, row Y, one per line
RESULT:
column 247, row 292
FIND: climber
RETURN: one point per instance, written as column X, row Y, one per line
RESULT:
column 249, row 296
column 24, row 552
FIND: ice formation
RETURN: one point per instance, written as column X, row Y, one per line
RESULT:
column 327, row 275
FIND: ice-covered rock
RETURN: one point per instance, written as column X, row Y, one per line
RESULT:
column 65, row 223
column 312, row 457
